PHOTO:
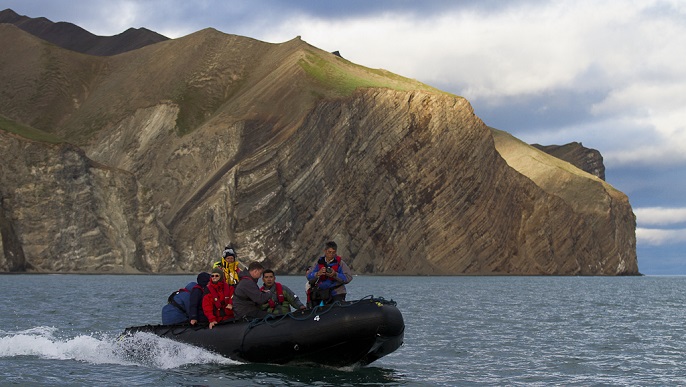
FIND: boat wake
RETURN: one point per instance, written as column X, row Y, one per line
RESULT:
column 141, row 349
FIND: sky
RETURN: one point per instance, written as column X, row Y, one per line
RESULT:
column 609, row 74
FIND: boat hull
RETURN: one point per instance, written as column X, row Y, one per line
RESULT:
column 337, row 335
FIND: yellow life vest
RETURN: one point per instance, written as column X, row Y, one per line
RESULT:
column 231, row 270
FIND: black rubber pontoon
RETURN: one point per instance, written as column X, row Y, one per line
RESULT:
column 341, row 334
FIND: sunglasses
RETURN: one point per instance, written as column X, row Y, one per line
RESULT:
column 215, row 275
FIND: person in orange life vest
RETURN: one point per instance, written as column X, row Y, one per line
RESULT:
column 282, row 298
column 217, row 302
column 329, row 275
column 248, row 298
column 196, row 313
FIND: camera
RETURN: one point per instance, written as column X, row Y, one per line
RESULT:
column 328, row 270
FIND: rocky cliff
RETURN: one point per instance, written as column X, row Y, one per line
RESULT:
column 586, row 159
column 62, row 212
column 185, row 145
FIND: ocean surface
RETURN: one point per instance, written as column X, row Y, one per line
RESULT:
column 572, row 331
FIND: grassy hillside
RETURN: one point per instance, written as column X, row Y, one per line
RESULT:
column 345, row 77
column 27, row 131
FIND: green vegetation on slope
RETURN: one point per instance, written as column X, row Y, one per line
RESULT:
column 344, row 77
column 27, row 131
column 192, row 108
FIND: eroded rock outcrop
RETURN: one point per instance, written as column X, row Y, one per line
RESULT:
column 586, row 159
column 61, row 212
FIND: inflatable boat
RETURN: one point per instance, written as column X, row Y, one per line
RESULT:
column 341, row 334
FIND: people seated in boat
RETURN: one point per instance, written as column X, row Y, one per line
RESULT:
column 196, row 314
column 282, row 297
column 217, row 302
column 248, row 298
column 177, row 310
column 328, row 277
column 229, row 263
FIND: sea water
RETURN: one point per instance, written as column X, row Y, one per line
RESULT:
column 64, row 330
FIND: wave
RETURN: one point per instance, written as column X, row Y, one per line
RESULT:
column 141, row 349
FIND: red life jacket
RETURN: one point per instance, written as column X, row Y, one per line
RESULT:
column 203, row 289
column 219, row 299
column 279, row 295
column 322, row 263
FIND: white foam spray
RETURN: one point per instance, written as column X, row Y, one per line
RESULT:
column 141, row 349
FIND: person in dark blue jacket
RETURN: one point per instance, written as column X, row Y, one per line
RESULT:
column 195, row 313
column 177, row 310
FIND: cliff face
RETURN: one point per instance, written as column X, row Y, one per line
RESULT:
column 186, row 145
column 61, row 212
column 413, row 183
column 605, row 213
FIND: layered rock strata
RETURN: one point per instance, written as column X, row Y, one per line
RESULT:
column 62, row 212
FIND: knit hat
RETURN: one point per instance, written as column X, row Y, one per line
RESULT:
column 220, row 271
column 229, row 251
column 203, row 278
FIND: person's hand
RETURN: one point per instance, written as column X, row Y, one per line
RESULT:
column 193, row 322
column 229, row 307
column 322, row 271
column 213, row 323
column 302, row 307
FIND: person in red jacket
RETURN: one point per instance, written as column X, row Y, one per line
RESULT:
column 217, row 304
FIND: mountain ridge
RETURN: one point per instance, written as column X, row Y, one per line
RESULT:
column 75, row 38
column 214, row 138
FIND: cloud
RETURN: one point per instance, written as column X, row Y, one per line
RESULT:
column 657, row 107
column 660, row 216
column 118, row 16
column 659, row 237
column 502, row 52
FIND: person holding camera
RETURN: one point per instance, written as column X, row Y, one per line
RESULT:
column 328, row 277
